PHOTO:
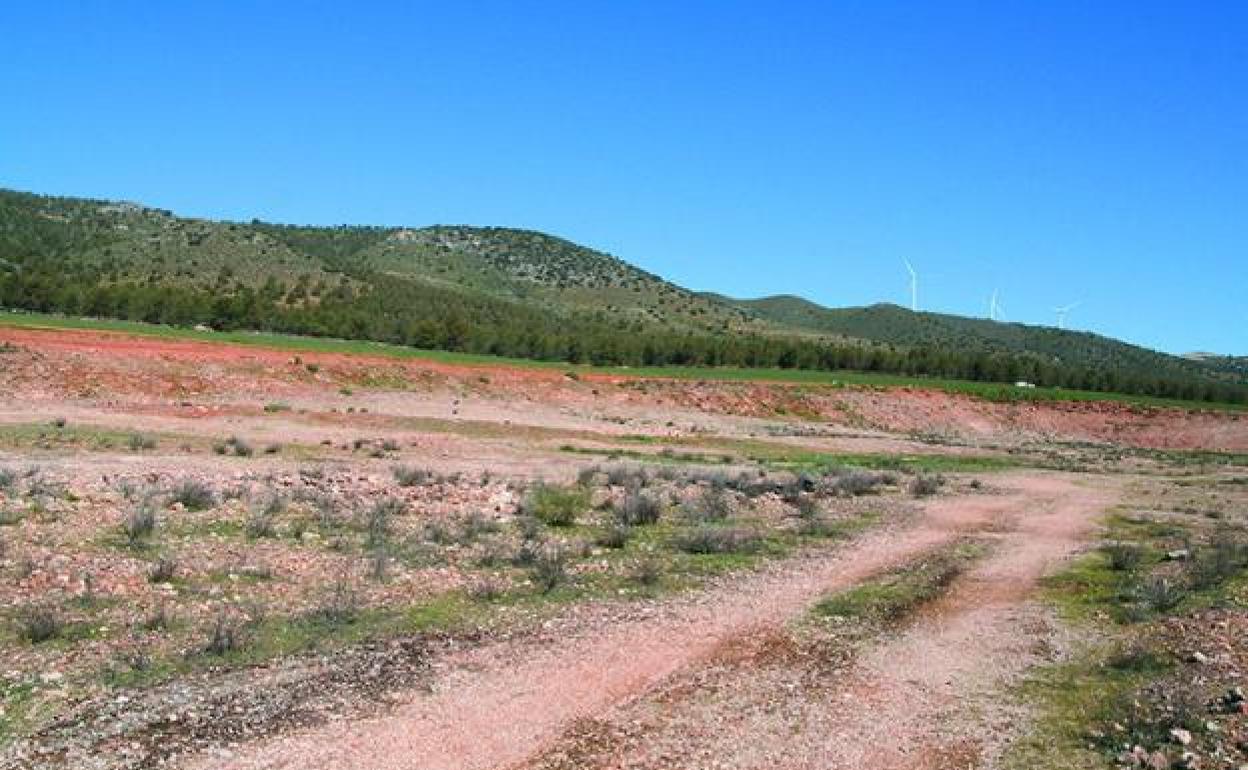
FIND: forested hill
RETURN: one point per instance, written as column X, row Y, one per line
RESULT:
column 515, row 293
column 1234, row 366
column 897, row 326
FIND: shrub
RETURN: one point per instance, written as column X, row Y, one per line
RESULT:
column 139, row 524
column 712, row 504
column 637, row 509
column 550, row 568
column 298, row 528
column 439, row 532
column 808, row 507
column 235, row 446
column 37, row 485
column 1160, row 594
column 276, row 406
column 193, row 495
column 614, row 536
column 1137, row 656
column 528, row 527
column 128, row 489
column 526, row 555
column 494, row 553
column 339, row 608
column 854, row 482
column 138, row 442
column 390, row 445
column 587, row 477
column 379, row 518
column 379, row 563
column 225, row 635
column 925, row 486
column 476, row 524
column 260, row 524
column 487, row 589
column 714, row 478
column 1213, row 564
column 790, row 488
column 646, row 570
column 159, row 619
column 40, row 623
column 272, row 449
column 1123, row 557
column 706, row 539
column 555, row 506
column 411, row 476
column 668, row 473
column 627, row 475
column 59, row 422
column 8, row 478
column 163, row 570
column 275, row 504
column 819, row 525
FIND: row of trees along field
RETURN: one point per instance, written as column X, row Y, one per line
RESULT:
column 424, row 316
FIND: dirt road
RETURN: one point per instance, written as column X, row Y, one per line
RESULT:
column 503, row 705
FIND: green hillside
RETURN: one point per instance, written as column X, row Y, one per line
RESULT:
column 897, row 326
column 515, row 293
column 1233, row 366
column 520, row 266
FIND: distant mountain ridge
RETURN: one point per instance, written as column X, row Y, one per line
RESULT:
column 519, row 293
column 890, row 324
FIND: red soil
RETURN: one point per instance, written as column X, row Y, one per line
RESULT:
column 68, row 364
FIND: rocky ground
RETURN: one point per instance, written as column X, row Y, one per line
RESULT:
column 223, row 556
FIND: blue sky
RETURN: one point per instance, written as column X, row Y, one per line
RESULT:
column 1058, row 151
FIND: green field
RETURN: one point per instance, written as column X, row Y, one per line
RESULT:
column 985, row 390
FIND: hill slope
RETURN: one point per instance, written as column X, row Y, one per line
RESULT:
column 130, row 242
column 512, row 292
column 897, row 326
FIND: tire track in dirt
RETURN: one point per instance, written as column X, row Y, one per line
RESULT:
column 935, row 692
column 498, row 705
column 925, row 698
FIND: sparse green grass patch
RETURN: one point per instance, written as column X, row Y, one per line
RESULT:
column 886, row 598
column 556, row 506
column 1120, row 688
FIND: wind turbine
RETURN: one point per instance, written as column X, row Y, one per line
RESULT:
column 994, row 307
column 914, row 285
column 1061, row 313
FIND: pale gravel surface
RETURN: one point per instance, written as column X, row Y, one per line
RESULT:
column 500, row 705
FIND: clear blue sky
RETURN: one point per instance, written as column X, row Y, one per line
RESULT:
column 1061, row 151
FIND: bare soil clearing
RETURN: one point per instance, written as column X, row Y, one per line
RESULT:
column 496, row 707
column 91, row 364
